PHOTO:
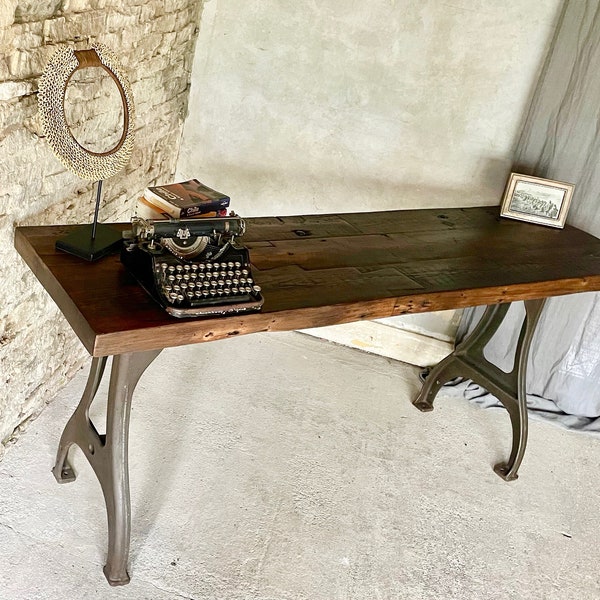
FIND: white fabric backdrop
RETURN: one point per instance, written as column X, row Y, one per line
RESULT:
column 560, row 140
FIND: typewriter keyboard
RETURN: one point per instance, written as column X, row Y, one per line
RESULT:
column 201, row 288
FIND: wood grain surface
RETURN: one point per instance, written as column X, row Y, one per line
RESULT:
column 326, row 269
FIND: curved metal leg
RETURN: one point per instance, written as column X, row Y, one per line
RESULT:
column 114, row 474
column 518, row 411
column 452, row 366
column 468, row 360
column 108, row 454
column 62, row 470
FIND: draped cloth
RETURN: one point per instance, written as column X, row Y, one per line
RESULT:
column 560, row 140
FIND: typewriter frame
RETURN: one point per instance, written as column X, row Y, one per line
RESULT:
column 157, row 250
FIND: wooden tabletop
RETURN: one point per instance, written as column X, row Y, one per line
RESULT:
column 328, row 269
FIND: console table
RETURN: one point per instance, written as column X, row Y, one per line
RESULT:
column 314, row 271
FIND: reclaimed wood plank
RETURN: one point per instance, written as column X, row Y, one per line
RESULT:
column 341, row 268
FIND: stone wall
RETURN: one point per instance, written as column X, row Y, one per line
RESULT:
column 155, row 41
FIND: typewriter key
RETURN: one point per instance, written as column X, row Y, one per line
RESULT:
column 213, row 292
column 201, row 267
column 242, row 280
column 171, row 269
column 179, row 268
column 198, row 294
column 190, row 295
column 238, row 264
column 256, row 288
column 227, row 291
column 206, row 284
column 194, row 267
column 205, row 293
column 180, row 298
column 186, row 267
column 234, row 290
column 221, row 282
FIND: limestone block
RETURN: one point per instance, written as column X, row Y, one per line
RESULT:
column 26, row 35
column 36, row 10
column 117, row 21
column 14, row 89
column 165, row 23
column 76, row 6
column 7, row 12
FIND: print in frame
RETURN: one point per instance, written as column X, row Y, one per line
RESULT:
column 536, row 200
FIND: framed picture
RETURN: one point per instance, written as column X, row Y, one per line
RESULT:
column 536, row 200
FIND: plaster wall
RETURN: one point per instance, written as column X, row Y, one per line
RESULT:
column 302, row 107
column 310, row 107
column 155, row 41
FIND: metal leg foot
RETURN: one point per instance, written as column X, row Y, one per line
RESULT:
column 443, row 372
column 108, row 454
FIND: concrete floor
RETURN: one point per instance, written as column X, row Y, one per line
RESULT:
column 285, row 467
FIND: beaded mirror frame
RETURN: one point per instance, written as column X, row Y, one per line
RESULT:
column 93, row 166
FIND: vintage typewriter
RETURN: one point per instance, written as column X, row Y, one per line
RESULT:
column 192, row 267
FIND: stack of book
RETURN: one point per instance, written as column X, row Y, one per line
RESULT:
column 184, row 200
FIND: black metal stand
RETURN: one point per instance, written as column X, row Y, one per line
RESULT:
column 94, row 241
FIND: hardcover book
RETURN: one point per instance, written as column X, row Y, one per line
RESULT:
column 147, row 210
column 186, row 199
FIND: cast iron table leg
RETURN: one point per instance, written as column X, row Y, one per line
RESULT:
column 107, row 453
column 468, row 361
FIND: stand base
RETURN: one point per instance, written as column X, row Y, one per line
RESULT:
column 80, row 243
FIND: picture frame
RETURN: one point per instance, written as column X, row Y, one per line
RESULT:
column 537, row 200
